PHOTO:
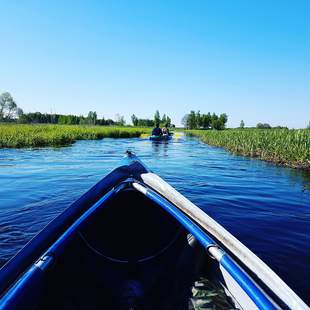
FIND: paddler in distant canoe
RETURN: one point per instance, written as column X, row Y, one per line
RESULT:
column 157, row 131
column 165, row 130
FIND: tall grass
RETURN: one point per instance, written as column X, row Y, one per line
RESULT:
column 282, row 146
column 17, row 136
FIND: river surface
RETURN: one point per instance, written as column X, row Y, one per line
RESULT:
column 265, row 206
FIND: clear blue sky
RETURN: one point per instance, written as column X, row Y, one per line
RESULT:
column 250, row 59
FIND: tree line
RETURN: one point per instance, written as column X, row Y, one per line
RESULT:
column 90, row 119
column 196, row 120
column 261, row 126
column 165, row 120
column 46, row 118
column 10, row 112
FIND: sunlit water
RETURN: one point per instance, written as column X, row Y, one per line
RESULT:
column 266, row 207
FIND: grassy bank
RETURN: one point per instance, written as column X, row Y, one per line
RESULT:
column 17, row 136
column 282, row 146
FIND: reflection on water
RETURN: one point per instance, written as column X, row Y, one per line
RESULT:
column 266, row 207
column 302, row 177
column 160, row 147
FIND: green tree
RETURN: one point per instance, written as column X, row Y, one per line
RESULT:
column 263, row 126
column 109, row 122
column 214, row 117
column 157, row 117
column 19, row 112
column 8, row 107
column 214, row 121
column 92, row 118
column 168, row 122
column 198, row 119
column 62, row 120
column 184, row 120
column 217, row 124
column 242, row 124
column 164, row 120
column 134, row 120
column 206, row 120
column 223, row 120
column 119, row 120
column 191, row 120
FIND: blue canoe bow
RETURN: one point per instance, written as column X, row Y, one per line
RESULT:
column 133, row 242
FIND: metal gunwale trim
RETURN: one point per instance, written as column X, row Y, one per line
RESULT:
column 244, row 281
column 45, row 261
column 216, row 252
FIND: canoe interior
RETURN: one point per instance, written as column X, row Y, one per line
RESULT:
column 132, row 255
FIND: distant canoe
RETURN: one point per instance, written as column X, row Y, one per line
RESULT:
column 161, row 138
column 134, row 242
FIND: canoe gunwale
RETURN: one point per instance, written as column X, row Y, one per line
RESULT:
column 160, row 138
column 257, row 296
column 33, row 276
column 282, row 292
column 130, row 167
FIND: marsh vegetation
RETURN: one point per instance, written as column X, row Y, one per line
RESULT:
column 19, row 135
column 288, row 147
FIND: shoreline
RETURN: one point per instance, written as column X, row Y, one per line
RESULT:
column 48, row 135
column 285, row 148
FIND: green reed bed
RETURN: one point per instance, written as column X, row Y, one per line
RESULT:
column 282, row 146
column 17, row 136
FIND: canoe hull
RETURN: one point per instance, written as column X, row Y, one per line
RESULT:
column 161, row 138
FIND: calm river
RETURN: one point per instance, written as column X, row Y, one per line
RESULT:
column 266, row 207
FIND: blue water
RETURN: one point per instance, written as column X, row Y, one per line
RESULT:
column 266, row 207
